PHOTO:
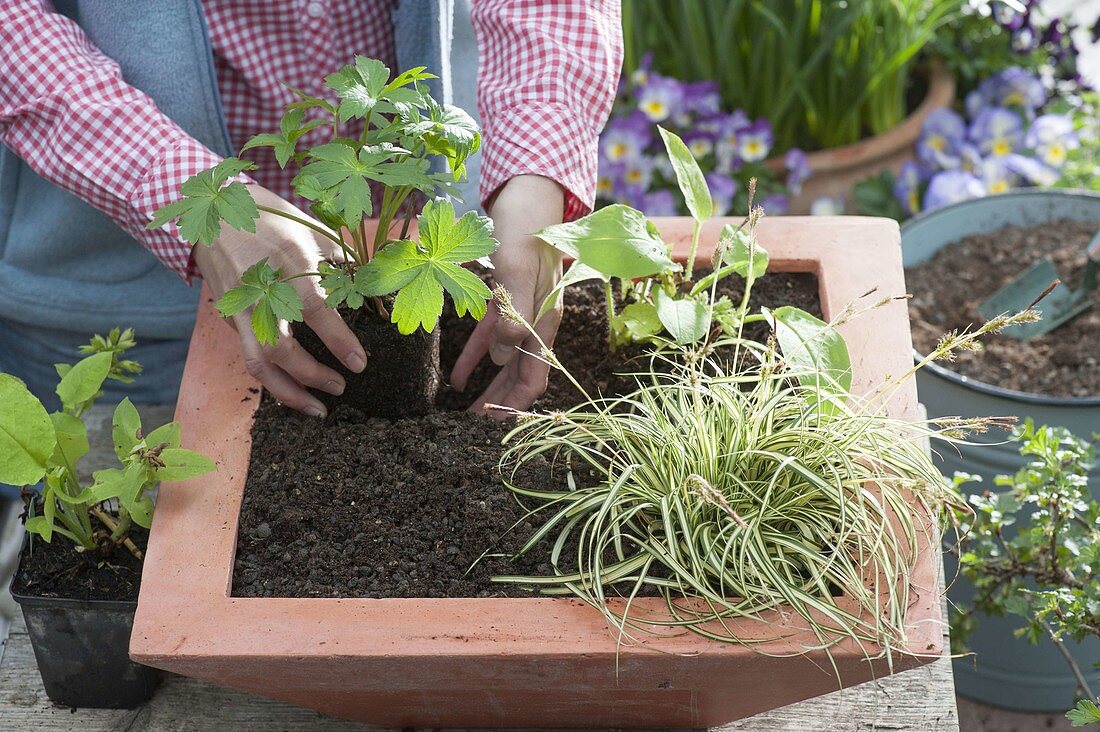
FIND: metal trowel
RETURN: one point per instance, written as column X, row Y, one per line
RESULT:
column 1059, row 306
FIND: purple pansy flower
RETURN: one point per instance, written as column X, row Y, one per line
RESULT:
column 907, row 186
column 775, row 204
column 1013, row 87
column 641, row 74
column 997, row 175
column 660, row 96
column 659, row 203
column 997, row 131
column 608, row 178
column 722, row 190
column 941, row 136
column 951, row 186
column 699, row 142
column 755, row 141
column 637, row 174
column 798, row 169
column 625, row 137
column 1052, row 136
column 699, row 98
column 970, row 158
column 729, row 128
column 1035, row 171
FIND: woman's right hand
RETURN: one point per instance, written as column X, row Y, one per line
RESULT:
column 285, row 368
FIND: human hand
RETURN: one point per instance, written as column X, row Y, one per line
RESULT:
column 529, row 269
column 285, row 368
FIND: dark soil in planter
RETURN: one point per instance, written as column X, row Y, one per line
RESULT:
column 360, row 507
column 948, row 288
column 57, row 570
column 402, row 374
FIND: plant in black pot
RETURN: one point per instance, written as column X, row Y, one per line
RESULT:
column 409, row 144
column 80, row 569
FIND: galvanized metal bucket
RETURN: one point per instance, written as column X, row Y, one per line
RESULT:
column 1006, row 671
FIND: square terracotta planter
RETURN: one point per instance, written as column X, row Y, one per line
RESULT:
column 516, row 662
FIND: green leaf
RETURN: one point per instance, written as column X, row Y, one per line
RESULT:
column 813, row 350
column 181, row 464
column 72, row 439
column 207, row 201
column 453, row 134
column 339, row 286
column 141, row 511
column 41, row 526
column 688, row 176
column 616, row 241
column 126, row 429
column 577, row 272
column 742, row 252
column 84, row 380
column 455, row 240
column 418, row 303
column 285, row 142
column 125, row 485
column 687, row 319
column 1085, row 713
column 359, row 86
column 420, row 273
column 271, row 299
column 27, row 436
column 466, row 289
column 640, row 320
column 166, row 434
column 339, row 175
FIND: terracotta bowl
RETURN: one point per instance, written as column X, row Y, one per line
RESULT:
column 514, row 662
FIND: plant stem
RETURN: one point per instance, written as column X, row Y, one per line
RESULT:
column 1082, row 683
column 610, row 315
column 328, row 233
column 111, row 524
column 694, row 248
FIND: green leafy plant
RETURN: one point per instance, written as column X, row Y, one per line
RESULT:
column 36, row 446
column 1032, row 549
column 664, row 304
column 406, row 137
column 738, row 480
column 825, row 73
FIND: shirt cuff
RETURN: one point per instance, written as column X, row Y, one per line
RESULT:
column 547, row 140
column 161, row 186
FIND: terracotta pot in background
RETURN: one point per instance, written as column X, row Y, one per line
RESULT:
column 835, row 171
column 501, row 662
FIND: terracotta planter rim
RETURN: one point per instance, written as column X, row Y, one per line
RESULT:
column 504, row 661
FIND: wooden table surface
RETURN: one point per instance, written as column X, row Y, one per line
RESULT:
column 921, row 700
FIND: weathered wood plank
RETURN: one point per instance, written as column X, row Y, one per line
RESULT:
column 921, row 700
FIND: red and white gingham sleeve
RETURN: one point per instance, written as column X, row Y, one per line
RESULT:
column 66, row 111
column 548, row 74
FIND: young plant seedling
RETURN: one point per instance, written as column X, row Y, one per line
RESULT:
column 36, row 446
column 665, row 304
column 405, row 137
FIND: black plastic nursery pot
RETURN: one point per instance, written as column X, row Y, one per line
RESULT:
column 83, row 651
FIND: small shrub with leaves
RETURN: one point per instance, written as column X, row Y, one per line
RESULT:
column 1031, row 548
column 407, row 138
column 40, row 447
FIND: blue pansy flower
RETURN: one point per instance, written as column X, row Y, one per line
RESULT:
column 951, row 186
column 997, row 131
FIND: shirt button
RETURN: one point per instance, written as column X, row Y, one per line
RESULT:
column 315, row 10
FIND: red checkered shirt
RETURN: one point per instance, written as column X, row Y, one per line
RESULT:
column 548, row 73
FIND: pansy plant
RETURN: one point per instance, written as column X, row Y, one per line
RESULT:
column 408, row 144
